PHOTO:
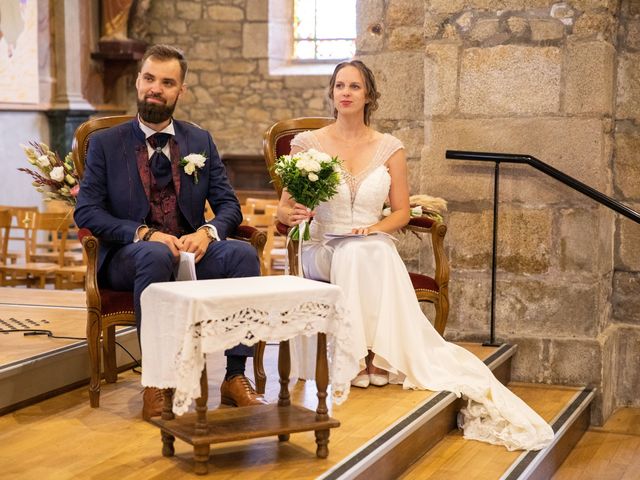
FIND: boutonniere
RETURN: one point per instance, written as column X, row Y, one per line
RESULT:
column 192, row 163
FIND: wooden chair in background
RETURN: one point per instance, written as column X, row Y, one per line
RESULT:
column 31, row 273
column 433, row 289
column 5, row 228
column 107, row 308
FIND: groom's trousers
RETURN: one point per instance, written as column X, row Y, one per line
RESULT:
column 137, row 265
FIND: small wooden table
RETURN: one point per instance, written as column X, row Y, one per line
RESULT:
column 183, row 321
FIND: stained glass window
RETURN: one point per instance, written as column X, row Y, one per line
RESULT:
column 324, row 29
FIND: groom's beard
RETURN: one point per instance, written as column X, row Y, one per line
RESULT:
column 154, row 112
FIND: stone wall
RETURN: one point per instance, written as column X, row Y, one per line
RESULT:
column 231, row 93
column 534, row 77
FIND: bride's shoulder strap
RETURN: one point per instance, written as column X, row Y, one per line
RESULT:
column 305, row 140
column 389, row 146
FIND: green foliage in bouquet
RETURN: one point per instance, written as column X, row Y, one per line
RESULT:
column 56, row 179
column 311, row 177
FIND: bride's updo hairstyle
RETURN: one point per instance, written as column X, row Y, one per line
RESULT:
column 372, row 93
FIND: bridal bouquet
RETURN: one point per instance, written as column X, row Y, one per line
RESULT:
column 56, row 179
column 311, row 177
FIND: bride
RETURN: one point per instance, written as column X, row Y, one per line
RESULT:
column 393, row 338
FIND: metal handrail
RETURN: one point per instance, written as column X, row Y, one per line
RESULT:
column 552, row 172
column 499, row 158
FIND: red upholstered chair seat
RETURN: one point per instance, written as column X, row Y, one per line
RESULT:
column 114, row 302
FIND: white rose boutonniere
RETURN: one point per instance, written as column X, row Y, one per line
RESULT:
column 192, row 163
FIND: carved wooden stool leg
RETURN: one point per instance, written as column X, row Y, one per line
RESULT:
column 167, row 414
column 201, row 452
column 322, row 381
column 284, row 369
column 258, row 367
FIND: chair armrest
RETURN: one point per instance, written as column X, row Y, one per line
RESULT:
column 255, row 237
column 90, row 245
column 438, row 230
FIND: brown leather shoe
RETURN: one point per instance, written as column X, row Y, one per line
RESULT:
column 238, row 392
column 152, row 403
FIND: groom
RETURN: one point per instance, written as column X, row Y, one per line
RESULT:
column 146, row 205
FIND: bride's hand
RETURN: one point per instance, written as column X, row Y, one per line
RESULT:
column 299, row 213
column 361, row 231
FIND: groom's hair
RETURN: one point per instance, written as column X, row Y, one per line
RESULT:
column 372, row 93
column 164, row 53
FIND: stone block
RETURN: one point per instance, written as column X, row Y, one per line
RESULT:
column 524, row 240
column 572, row 145
column 412, row 138
column 519, row 26
column 627, row 360
column 600, row 25
column 470, row 298
column 370, row 13
column 628, row 257
column 307, row 81
column 202, row 95
column 626, row 300
column 210, row 79
column 405, row 38
column 440, row 78
column 484, row 29
column 255, row 41
column 213, row 29
column 628, row 97
column 585, row 240
column 432, row 26
column 546, row 306
column 626, row 167
column 589, row 78
column 510, row 79
column 400, row 99
column 189, row 10
column 575, row 361
column 176, row 26
column 543, row 30
column 405, row 13
column 586, row 5
column 257, row 10
column 632, row 39
column 238, row 66
column 531, row 362
column 225, row 14
column 469, row 236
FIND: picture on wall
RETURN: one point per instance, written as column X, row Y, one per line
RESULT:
column 19, row 51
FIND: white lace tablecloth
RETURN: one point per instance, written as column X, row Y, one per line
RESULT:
column 183, row 321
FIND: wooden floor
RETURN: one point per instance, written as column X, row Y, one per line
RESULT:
column 63, row 437
column 610, row 452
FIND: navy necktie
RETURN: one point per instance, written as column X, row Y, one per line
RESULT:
column 160, row 163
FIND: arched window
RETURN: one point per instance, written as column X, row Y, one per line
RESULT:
column 309, row 37
column 324, row 30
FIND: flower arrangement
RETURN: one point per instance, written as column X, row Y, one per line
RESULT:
column 311, row 177
column 192, row 163
column 56, row 179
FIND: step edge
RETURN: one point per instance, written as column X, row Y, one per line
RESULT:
column 578, row 403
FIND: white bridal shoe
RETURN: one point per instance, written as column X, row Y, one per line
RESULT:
column 378, row 380
column 361, row 381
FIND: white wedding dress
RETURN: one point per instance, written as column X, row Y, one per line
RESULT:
column 387, row 318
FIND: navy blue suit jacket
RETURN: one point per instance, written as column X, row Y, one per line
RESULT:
column 112, row 202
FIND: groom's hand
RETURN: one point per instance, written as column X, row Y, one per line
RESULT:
column 174, row 243
column 196, row 242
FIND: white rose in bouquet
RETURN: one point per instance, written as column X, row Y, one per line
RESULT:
column 57, row 173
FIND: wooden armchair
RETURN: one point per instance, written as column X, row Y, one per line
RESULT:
column 433, row 289
column 106, row 308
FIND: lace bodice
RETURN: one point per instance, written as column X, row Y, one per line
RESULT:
column 360, row 198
